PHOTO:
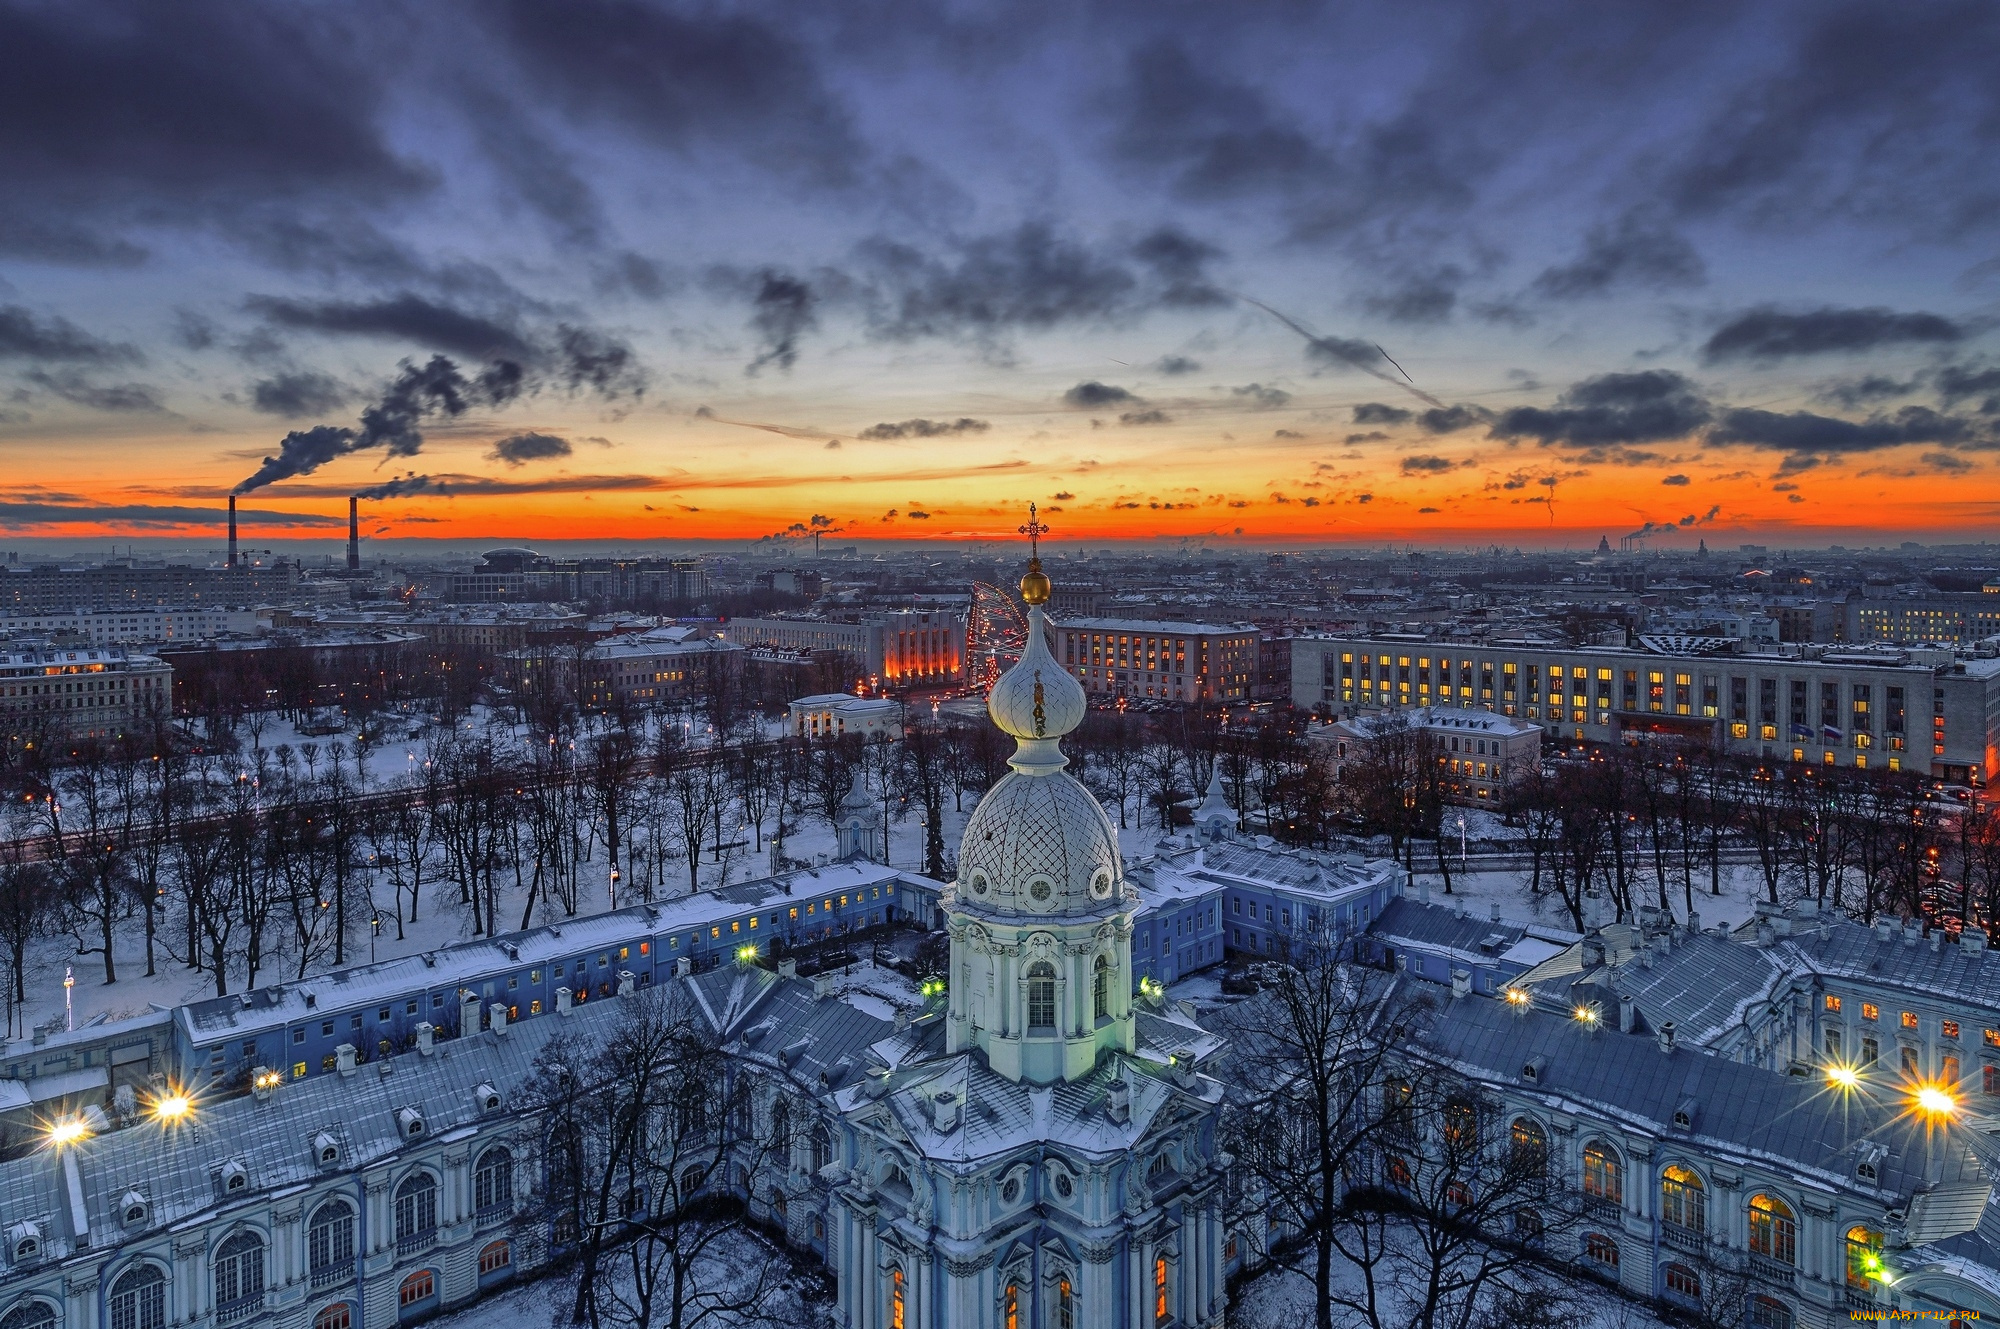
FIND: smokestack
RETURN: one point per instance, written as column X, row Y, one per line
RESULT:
column 354, row 535
column 232, row 530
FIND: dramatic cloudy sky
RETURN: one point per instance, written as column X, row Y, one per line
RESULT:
column 616, row 269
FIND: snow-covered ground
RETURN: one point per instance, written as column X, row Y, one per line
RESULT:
column 1278, row 1299
column 545, row 1303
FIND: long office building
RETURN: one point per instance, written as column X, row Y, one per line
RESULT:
column 135, row 625
column 894, row 649
column 52, row 588
column 1929, row 711
column 1184, row 662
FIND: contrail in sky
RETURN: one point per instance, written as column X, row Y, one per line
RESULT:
column 1360, row 355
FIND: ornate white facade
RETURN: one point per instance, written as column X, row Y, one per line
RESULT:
column 1048, row 1162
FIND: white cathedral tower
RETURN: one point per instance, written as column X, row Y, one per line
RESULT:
column 1044, row 1155
column 1040, row 915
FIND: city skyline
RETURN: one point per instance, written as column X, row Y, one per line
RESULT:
column 1424, row 275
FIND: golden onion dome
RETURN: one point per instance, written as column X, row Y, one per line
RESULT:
column 1035, row 584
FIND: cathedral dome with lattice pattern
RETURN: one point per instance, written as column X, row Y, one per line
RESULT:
column 1040, row 845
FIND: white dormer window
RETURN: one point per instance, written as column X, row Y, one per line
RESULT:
column 133, row 1209
column 487, row 1097
column 410, row 1123
column 25, row 1241
column 326, row 1149
column 235, row 1178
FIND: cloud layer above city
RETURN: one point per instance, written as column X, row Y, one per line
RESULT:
column 1284, row 272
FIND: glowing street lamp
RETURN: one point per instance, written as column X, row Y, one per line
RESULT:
column 1844, row 1078
column 1517, row 997
column 746, row 953
column 174, row 1108
column 70, row 1130
column 1935, row 1102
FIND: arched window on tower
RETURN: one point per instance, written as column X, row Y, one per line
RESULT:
column 1042, row 995
column 1100, row 986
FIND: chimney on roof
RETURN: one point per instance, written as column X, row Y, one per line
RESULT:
column 564, row 999
column 1461, row 982
column 1973, row 941
column 1666, row 1037
column 498, row 1011
column 426, row 1037
column 232, row 530
column 343, row 1058
column 1628, row 1014
column 468, row 1013
column 354, row 535
column 1118, row 1101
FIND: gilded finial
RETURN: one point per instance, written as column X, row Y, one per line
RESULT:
column 1035, row 585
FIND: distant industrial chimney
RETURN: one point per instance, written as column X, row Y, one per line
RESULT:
column 354, row 535
column 232, row 530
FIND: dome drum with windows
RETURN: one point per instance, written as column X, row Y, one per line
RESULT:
column 1041, row 915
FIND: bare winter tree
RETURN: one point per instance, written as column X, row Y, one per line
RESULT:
column 1313, row 1050
column 637, row 1184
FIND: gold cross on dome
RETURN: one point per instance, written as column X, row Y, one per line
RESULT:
column 1034, row 530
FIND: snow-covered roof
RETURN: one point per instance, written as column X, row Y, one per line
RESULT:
column 466, row 963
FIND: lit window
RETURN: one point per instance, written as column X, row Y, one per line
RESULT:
column 1832, row 1002
column 1870, row 1011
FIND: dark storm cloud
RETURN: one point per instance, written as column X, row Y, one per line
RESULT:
column 1259, row 396
column 520, row 449
column 578, row 359
column 299, row 393
column 1645, row 407
column 1634, row 252
column 1180, row 262
column 80, row 389
column 1213, row 136
column 1422, row 297
column 1768, row 333
column 23, row 336
column 1425, row 465
column 1380, row 413
column 1804, row 433
column 1857, row 392
column 924, row 429
column 1027, row 279
column 1147, row 417
column 19, row 513
column 1087, row 396
column 688, row 79
column 1675, row 480
column 1173, row 366
column 1869, row 107
column 1451, row 419
column 204, row 113
column 782, row 312
column 1956, row 383
column 587, row 360
column 406, row 317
